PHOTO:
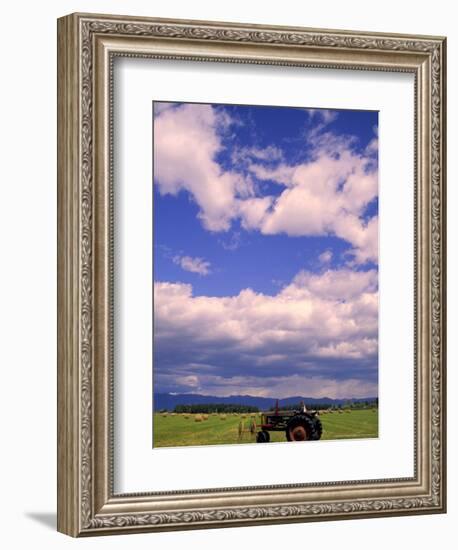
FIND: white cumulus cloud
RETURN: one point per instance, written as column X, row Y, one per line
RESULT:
column 325, row 196
column 325, row 257
column 194, row 265
column 320, row 326
column 186, row 142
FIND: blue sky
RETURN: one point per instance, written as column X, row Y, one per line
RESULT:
column 262, row 214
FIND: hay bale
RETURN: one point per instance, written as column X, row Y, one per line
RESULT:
column 222, row 417
column 186, row 416
column 198, row 418
column 205, row 417
column 164, row 415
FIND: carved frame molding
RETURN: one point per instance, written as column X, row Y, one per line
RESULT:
column 87, row 45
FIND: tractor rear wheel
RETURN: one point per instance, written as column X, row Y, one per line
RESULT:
column 263, row 437
column 303, row 428
column 318, row 428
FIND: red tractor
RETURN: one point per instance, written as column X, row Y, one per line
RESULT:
column 298, row 425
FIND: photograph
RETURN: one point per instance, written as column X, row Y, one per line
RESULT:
column 265, row 267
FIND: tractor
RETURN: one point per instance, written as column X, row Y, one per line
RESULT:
column 298, row 425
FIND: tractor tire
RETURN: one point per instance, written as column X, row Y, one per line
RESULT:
column 263, row 437
column 303, row 428
column 318, row 428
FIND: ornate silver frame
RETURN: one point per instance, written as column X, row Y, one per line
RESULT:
column 87, row 45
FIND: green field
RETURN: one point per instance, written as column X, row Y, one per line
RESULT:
column 175, row 430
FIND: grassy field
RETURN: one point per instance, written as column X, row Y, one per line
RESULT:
column 173, row 430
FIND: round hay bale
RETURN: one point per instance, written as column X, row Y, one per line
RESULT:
column 186, row 416
column 223, row 417
column 205, row 417
column 198, row 418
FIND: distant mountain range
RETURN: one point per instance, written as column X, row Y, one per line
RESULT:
column 168, row 401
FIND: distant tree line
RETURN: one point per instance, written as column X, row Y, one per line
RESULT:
column 215, row 408
column 362, row 404
column 366, row 404
column 298, row 406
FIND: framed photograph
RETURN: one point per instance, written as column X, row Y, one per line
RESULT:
column 251, row 289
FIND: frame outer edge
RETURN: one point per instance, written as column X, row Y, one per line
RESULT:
column 68, row 277
column 443, row 255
